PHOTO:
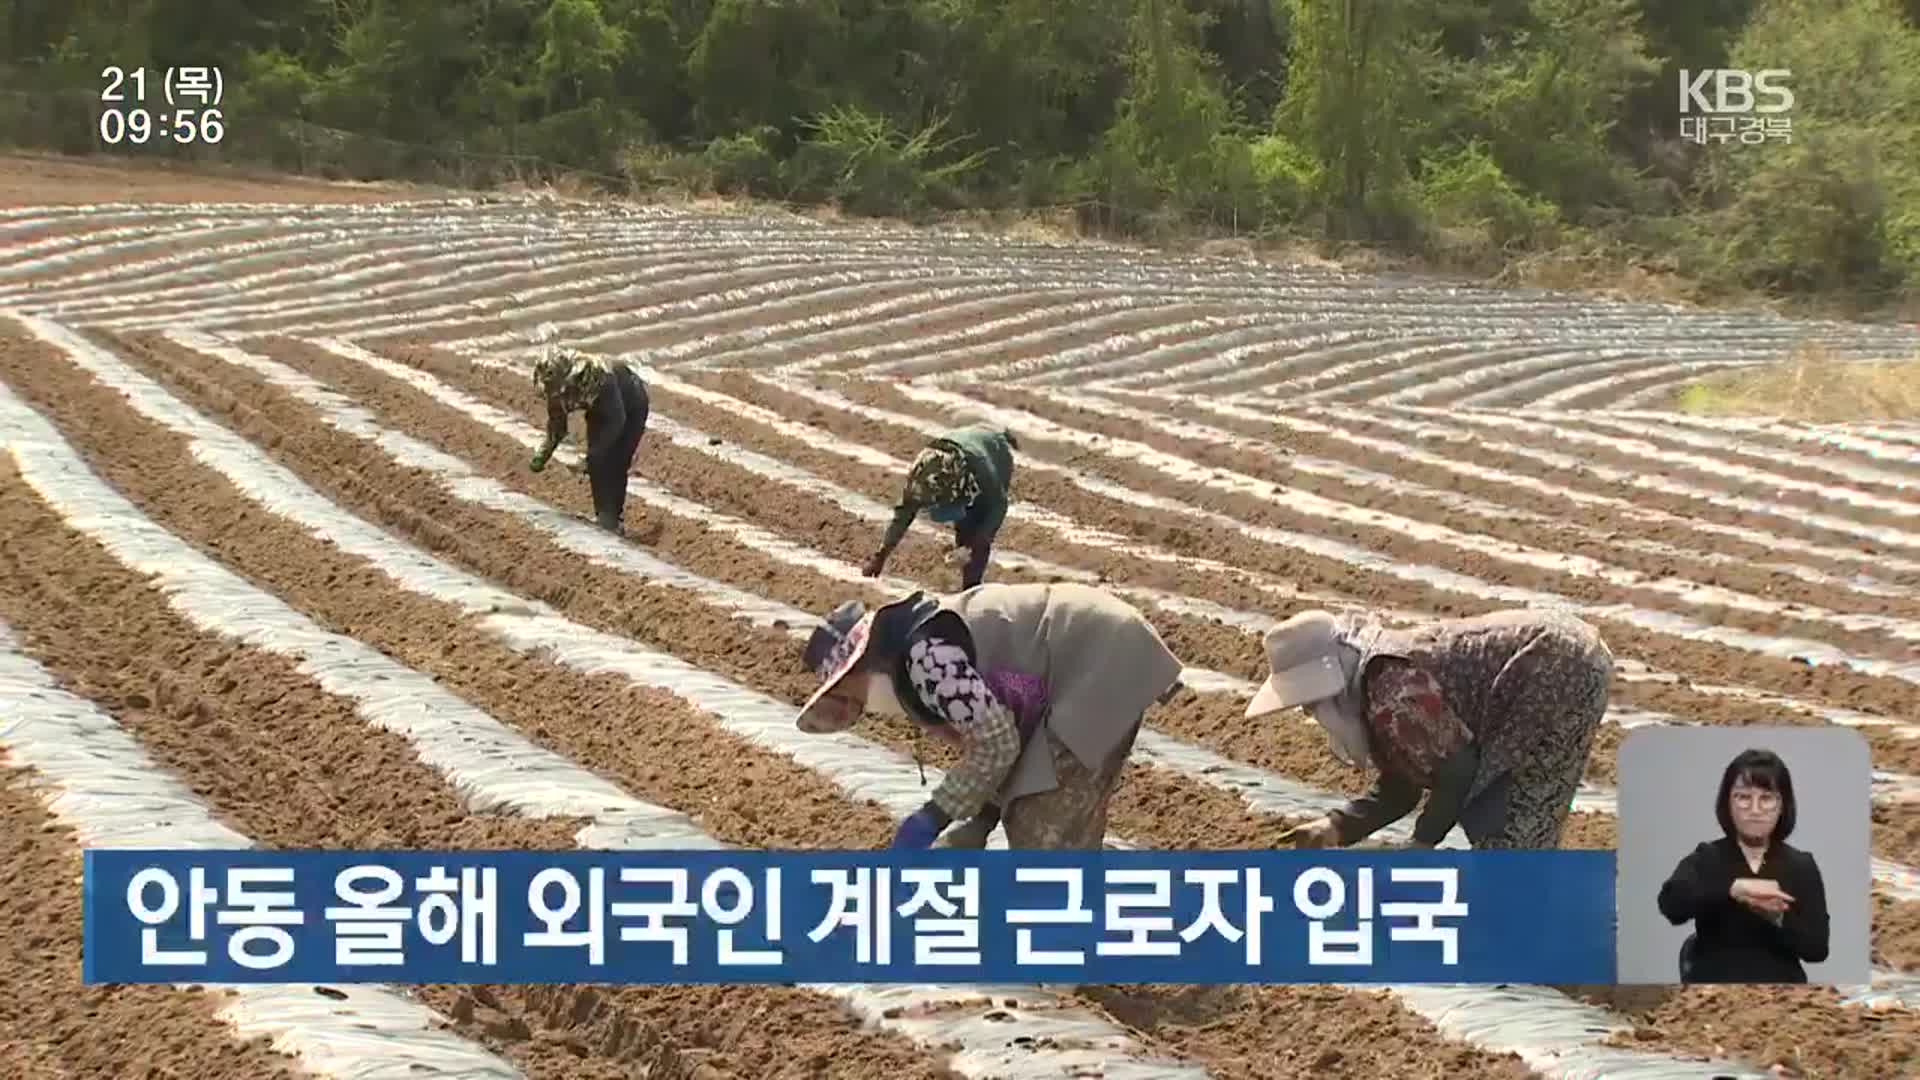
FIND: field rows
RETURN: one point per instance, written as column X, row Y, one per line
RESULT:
column 372, row 626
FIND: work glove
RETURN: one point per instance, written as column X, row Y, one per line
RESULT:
column 538, row 463
column 920, row 829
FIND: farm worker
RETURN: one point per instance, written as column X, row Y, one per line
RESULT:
column 615, row 401
column 1042, row 689
column 1493, row 714
column 963, row 478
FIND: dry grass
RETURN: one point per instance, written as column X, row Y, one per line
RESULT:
column 1813, row 387
column 1609, row 273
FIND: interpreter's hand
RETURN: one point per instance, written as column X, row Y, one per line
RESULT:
column 874, row 566
column 1761, row 895
column 958, row 556
column 1321, row 832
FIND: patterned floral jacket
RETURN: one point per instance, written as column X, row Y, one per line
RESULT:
column 1419, row 744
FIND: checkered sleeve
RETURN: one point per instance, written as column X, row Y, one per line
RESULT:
column 950, row 686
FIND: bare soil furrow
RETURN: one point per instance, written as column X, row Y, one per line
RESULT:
column 508, row 275
column 1758, row 442
column 104, row 258
column 1288, row 748
column 1385, row 538
column 1375, row 385
column 730, row 489
column 1529, row 388
column 1703, row 660
column 1891, row 749
column 717, row 326
column 1148, row 317
column 1597, row 535
column 1327, row 367
column 1483, row 446
column 1614, row 393
column 1699, row 473
column 401, row 499
column 54, row 1027
column 1767, row 438
column 1675, row 531
column 599, row 305
column 928, row 322
column 1769, row 435
column 49, row 180
column 592, row 304
column 665, row 753
column 1779, row 463
column 1059, row 313
column 1805, row 1032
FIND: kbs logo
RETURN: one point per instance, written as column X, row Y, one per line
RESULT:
column 1733, row 90
column 1715, row 105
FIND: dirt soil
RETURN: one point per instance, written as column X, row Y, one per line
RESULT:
column 310, row 772
column 190, row 501
column 389, row 803
column 1150, row 806
column 1161, row 809
column 53, row 1027
column 35, row 180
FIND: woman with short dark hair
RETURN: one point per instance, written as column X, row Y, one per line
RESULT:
column 1758, row 905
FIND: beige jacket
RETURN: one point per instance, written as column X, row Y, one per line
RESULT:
column 1102, row 661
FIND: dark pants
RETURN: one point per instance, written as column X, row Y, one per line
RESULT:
column 967, row 534
column 608, row 477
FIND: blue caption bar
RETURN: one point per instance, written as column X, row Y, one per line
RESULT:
column 252, row 916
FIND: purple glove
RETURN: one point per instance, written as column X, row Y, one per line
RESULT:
column 921, row 828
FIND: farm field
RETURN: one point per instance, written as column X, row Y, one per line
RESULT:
column 273, row 571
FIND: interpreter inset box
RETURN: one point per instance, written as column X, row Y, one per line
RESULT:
column 1745, row 855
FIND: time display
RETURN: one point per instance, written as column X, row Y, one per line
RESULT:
column 125, row 119
column 139, row 126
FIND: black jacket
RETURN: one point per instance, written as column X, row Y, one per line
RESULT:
column 617, row 415
column 1734, row 943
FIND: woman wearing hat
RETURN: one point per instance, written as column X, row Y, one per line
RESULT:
column 615, row 401
column 1042, row 688
column 963, row 478
column 1493, row 715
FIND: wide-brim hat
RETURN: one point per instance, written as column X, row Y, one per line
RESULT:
column 836, row 650
column 1303, row 662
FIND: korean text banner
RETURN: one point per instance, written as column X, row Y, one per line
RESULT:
column 704, row 916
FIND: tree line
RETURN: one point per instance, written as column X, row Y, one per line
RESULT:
column 1473, row 133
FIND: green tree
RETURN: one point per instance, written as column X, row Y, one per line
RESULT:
column 1547, row 102
column 1357, row 72
column 578, row 54
column 1839, row 207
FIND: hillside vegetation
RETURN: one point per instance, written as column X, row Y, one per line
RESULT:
column 1536, row 139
